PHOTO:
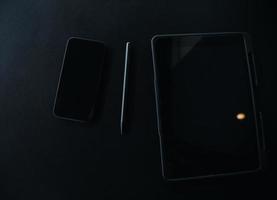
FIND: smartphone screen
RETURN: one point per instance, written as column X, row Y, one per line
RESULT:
column 205, row 105
column 79, row 79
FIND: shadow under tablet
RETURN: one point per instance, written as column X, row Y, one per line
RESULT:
column 205, row 105
column 80, row 79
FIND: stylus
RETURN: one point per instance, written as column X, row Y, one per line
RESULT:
column 124, row 90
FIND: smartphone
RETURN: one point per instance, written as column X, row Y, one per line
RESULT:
column 79, row 80
column 205, row 101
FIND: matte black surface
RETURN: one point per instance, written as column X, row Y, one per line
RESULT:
column 45, row 158
column 203, row 83
column 80, row 77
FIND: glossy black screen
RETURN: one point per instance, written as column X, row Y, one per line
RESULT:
column 205, row 105
column 79, row 80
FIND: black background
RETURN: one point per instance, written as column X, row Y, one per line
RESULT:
column 45, row 158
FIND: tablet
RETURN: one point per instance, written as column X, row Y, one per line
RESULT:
column 205, row 102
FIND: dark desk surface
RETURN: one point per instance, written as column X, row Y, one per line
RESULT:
column 45, row 158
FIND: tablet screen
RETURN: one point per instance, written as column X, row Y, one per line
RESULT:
column 206, row 109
